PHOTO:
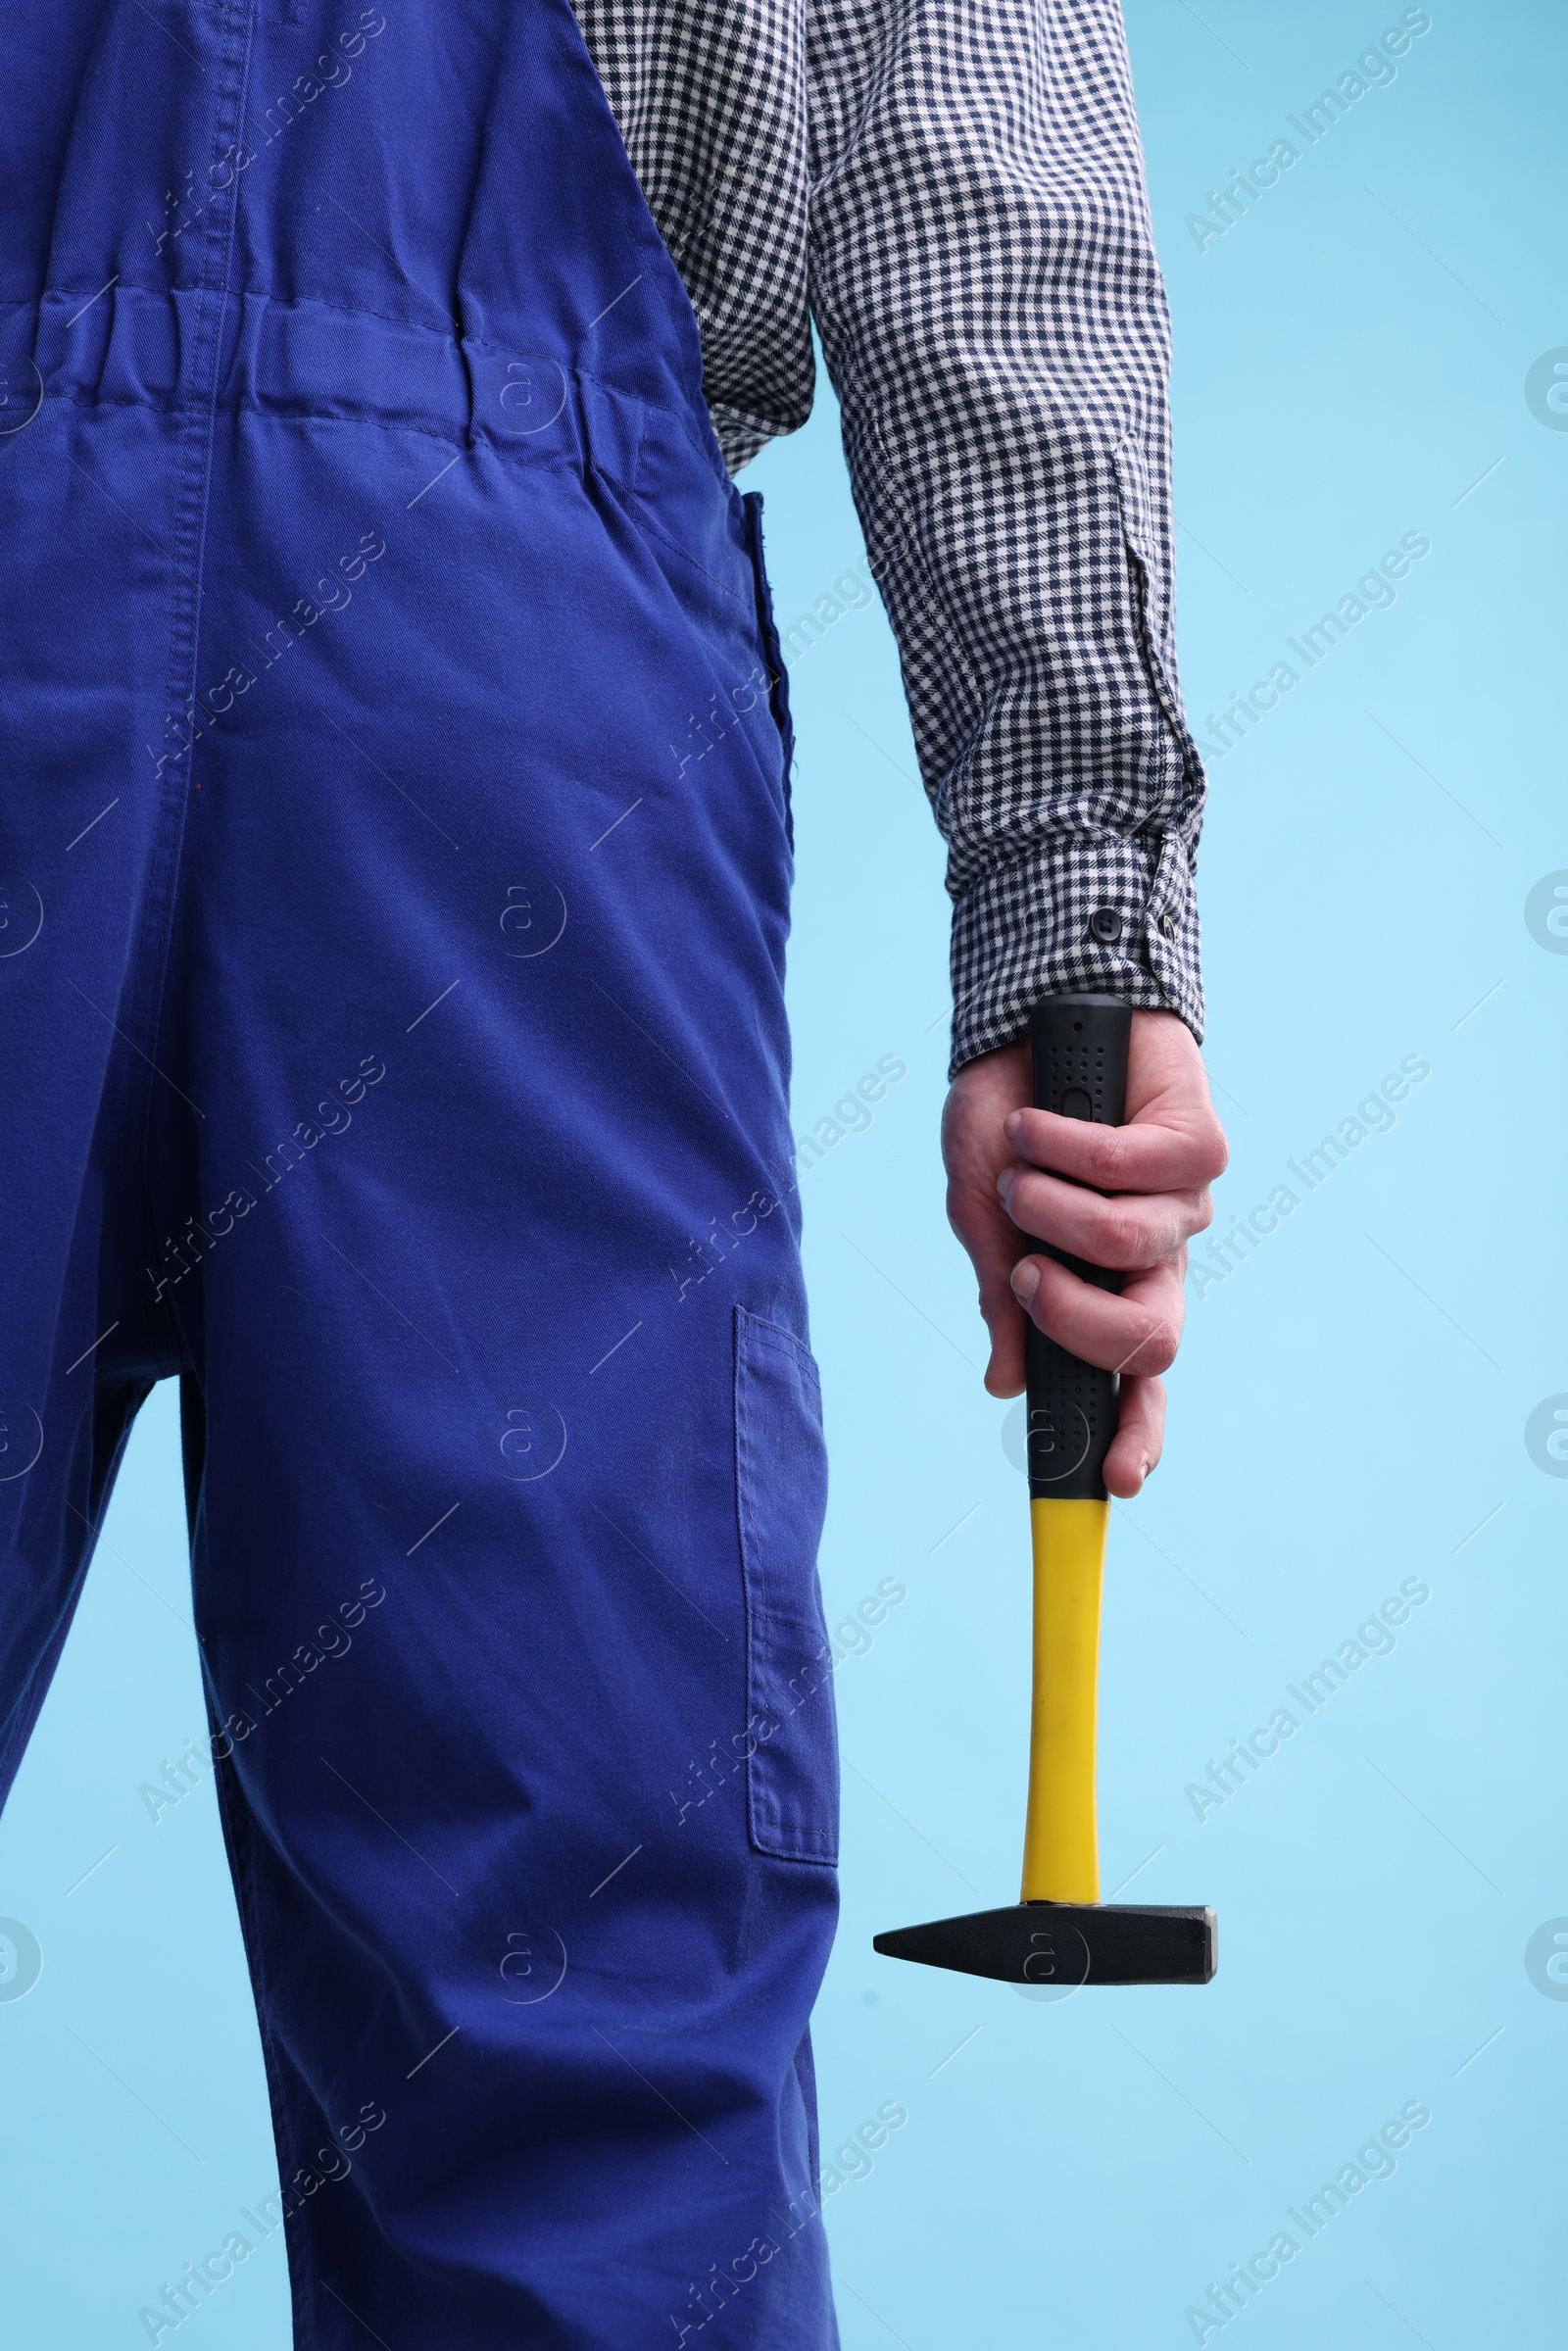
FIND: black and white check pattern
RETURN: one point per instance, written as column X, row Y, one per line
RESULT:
column 954, row 190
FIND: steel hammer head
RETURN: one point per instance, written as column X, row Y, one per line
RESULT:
column 1063, row 1944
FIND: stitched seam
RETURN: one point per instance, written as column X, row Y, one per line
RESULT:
column 240, row 295
column 585, row 376
column 799, row 1846
column 751, row 1578
column 186, row 554
column 238, row 1837
column 356, row 417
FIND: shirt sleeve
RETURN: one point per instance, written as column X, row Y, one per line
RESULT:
column 984, row 280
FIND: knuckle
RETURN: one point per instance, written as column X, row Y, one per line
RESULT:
column 1108, row 1155
column 1163, row 1334
column 1123, row 1238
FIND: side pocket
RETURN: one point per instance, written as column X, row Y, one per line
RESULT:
column 772, row 650
column 792, row 1770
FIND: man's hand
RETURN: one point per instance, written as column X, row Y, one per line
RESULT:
column 1005, row 1161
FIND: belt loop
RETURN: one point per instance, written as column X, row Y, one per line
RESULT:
column 613, row 429
column 239, row 374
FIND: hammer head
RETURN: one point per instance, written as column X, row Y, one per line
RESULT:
column 1065, row 1944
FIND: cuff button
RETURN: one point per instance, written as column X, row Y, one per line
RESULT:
column 1168, row 924
column 1105, row 924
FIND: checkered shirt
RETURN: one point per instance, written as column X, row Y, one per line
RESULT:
column 953, row 190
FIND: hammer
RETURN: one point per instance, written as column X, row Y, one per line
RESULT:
column 1061, row 1933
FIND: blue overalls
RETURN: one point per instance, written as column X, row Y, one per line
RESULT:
column 396, row 854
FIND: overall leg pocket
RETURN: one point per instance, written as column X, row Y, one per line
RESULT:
column 781, row 1489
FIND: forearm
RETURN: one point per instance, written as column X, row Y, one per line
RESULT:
column 992, row 314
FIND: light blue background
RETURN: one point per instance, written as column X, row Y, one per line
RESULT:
column 1348, row 1408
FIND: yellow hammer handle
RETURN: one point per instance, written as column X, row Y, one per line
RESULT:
column 1060, row 1844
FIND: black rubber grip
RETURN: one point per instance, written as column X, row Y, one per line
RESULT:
column 1080, row 1058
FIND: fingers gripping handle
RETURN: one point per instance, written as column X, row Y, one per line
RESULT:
column 1080, row 1064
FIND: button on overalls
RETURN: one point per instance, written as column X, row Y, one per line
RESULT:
column 394, row 840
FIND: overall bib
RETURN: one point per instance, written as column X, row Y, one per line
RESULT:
column 394, row 845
